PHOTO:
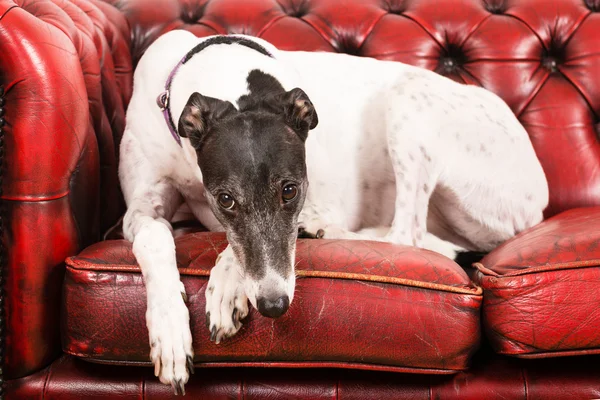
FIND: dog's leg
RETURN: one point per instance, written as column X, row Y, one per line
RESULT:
column 167, row 317
column 416, row 178
column 226, row 300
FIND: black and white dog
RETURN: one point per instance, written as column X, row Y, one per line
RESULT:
column 395, row 153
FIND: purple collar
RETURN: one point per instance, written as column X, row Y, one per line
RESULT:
column 163, row 102
column 163, row 99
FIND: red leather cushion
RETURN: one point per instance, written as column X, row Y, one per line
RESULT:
column 358, row 305
column 542, row 289
column 490, row 378
column 541, row 59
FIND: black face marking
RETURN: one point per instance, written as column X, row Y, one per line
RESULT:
column 251, row 154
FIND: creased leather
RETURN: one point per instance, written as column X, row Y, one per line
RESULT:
column 542, row 289
column 492, row 377
column 541, row 60
column 409, row 309
column 62, row 111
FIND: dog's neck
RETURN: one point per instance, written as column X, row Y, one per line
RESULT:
column 163, row 99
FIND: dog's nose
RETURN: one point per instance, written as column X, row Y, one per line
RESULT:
column 273, row 309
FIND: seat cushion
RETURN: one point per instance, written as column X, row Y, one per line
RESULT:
column 364, row 305
column 542, row 289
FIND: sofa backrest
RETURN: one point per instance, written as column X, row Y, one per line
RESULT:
column 540, row 56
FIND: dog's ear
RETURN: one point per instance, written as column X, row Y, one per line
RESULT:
column 299, row 112
column 199, row 116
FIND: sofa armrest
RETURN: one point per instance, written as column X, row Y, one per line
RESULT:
column 55, row 152
column 542, row 288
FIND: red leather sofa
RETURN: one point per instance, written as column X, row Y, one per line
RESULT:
column 370, row 320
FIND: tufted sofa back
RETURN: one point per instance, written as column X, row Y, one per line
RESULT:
column 540, row 56
column 65, row 80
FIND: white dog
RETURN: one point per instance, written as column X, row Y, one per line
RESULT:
column 395, row 153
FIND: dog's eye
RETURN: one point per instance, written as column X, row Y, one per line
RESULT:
column 289, row 192
column 226, row 201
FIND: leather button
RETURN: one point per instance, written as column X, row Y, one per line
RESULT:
column 298, row 12
column 593, row 5
column 395, row 7
column 191, row 15
column 550, row 64
column 495, row 6
column 448, row 63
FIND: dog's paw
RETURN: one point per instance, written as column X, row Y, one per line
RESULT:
column 305, row 234
column 171, row 350
column 226, row 300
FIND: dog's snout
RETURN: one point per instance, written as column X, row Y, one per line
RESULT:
column 273, row 308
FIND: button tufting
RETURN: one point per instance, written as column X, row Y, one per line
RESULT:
column 448, row 64
column 451, row 59
column 297, row 13
column 553, row 56
column 592, row 5
column 550, row 64
column 495, row 6
column 394, row 6
column 192, row 14
column 348, row 45
column 298, row 10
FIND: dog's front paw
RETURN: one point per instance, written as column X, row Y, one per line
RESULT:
column 171, row 350
column 226, row 300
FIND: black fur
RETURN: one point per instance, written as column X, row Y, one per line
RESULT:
column 251, row 154
column 224, row 39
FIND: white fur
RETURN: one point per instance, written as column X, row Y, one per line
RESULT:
column 224, row 294
column 400, row 154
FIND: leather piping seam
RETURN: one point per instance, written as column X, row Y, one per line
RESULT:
column 86, row 266
column 36, row 199
column 533, row 270
column 286, row 364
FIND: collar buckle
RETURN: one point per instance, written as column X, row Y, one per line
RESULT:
column 163, row 100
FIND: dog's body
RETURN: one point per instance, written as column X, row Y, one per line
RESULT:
column 399, row 154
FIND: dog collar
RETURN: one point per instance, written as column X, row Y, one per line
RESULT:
column 163, row 98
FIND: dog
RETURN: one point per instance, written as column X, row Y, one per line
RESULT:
column 235, row 130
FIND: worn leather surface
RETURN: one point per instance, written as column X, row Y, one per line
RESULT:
column 542, row 289
column 490, row 378
column 541, row 60
column 63, row 113
column 357, row 304
column 66, row 67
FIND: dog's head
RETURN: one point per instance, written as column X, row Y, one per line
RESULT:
column 253, row 166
